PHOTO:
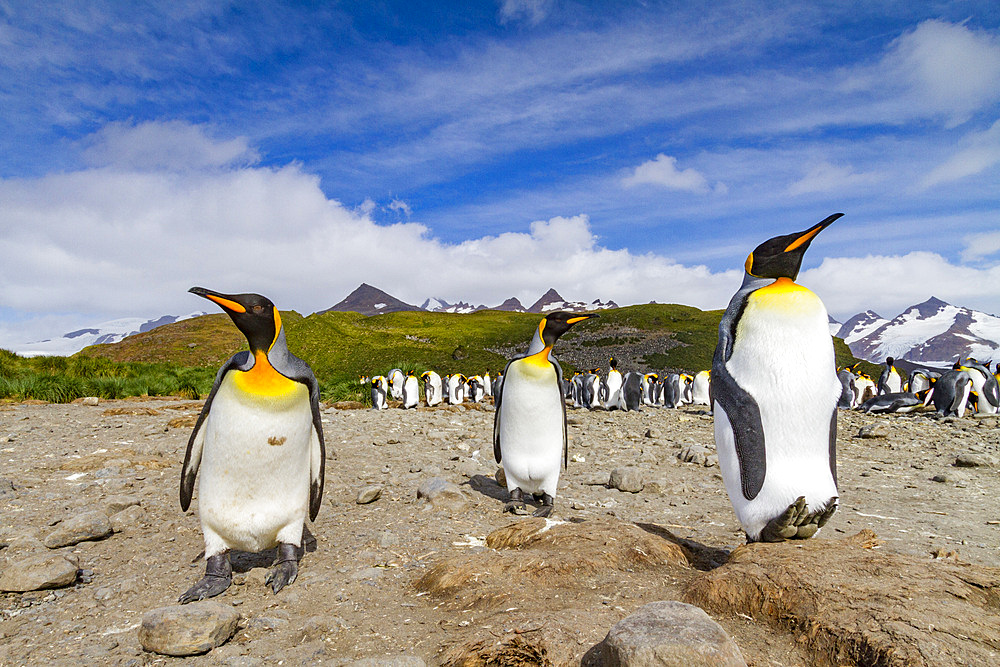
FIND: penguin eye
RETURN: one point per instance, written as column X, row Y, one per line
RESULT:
column 258, row 309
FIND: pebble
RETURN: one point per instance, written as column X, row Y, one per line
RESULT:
column 699, row 455
column 37, row 573
column 6, row 486
column 441, row 493
column 369, row 494
column 974, row 460
column 501, row 477
column 115, row 504
column 877, row 430
column 628, row 479
column 669, row 633
column 189, row 629
column 92, row 525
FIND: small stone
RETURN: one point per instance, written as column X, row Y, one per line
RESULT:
column 129, row 517
column 879, row 429
column 974, row 460
column 441, row 493
column 627, row 479
column 699, row 455
column 942, row 478
column 578, row 458
column 188, row 629
column 369, row 494
column 989, row 422
column 87, row 526
column 669, row 634
column 115, row 504
column 501, row 477
column 6, row 486
column 90, row 400
column 652, row 433
column 39, row 572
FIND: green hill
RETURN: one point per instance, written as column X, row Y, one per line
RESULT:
column 343, row 346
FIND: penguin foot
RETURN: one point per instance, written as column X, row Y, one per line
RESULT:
column 285, row 568
column 516, row 504
column 546, row 508
column 218, row 577
column 797, row 522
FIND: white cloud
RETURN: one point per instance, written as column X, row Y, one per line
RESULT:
column 979, row 246
column 532, row 11
column 981, row 152
column 662, row 171
column 171, row 145
column 826, row 177
column 400, row 206
column 890, row 283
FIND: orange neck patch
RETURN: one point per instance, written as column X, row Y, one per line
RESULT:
column 540, row 359
column 782, row 286
column 263, row 379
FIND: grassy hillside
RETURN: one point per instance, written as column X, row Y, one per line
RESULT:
column 342, row 346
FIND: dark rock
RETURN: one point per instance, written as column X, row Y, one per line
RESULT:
column 669, row 633
column 37, row 573
column 188, row 629
column 82, row 527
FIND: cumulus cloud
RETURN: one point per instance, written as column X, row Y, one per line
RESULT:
column 400, row 206
column 662, row 170
column 891, row 283
column 979, row 246
column 981, row 152
column 826, row 177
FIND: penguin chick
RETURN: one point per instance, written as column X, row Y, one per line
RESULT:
column 529, row 425
column 775, row 389
column 257, row 450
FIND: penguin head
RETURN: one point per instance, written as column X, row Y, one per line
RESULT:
column 253, row 314
column 613, row 363
column 556, row 324
column 889, row 361
column 781, row 256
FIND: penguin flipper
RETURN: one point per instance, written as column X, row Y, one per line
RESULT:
column 192, row 457
column 562, row 403
column 497, row 401
column 317, row 444
column 748, row 430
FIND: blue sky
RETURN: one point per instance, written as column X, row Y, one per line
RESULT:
column 633, row 151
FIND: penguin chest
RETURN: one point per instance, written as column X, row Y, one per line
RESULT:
column 255, row 468
column 783, row 356
column 531, row 421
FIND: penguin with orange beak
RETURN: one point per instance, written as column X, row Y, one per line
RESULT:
column 775, row 389
column 257, row 450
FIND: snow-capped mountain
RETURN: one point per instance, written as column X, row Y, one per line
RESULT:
column 933, row 333
column 369, row 300
column 551, row 301
column 111, row 331
column 441, row 306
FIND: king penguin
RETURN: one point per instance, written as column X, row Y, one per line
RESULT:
column 432, row 387
column 890, row 381
column 613, row 398
column 529, row 425
column 411, row 391
column 258, row 448
column 775, row 388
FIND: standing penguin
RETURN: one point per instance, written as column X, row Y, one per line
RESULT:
column 379, row 388
column 951, row 393
column 672, row 390
column 258, row 445
column 700, row 387
column 849, row 390
column 529, row 425
column 890, row 381
column 396, row 380
column 775, row 388
column 411, row 391
column 632, row 392
column 432, row 387
column 984, row 384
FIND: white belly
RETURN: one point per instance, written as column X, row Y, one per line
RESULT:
column 700, row 389
column 531, row 428
column 254, row 473
column 783, row 357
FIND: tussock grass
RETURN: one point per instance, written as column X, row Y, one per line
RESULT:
column 65, row 379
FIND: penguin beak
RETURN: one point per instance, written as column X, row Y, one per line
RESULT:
column 227, row 301
column 807, row 236
column 581, row 318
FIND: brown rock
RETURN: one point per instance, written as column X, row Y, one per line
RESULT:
column 188, row 629
column 80, row 528
column 626, row 479
column 669, row 634
column 852, row 604
column 37, row 573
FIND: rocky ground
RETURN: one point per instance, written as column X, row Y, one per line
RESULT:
column 452, row 580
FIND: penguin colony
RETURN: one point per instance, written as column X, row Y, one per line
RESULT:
column 257, row 452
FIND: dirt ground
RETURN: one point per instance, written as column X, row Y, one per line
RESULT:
column 357, row 595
